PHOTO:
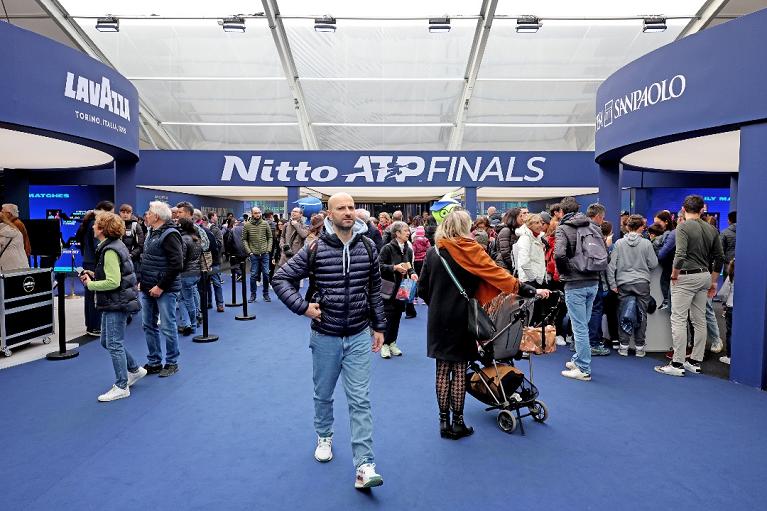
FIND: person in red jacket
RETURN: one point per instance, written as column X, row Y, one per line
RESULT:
column 554, row 283
column 420, row 245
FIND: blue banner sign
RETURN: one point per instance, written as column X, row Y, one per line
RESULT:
column 60, row 92
column 353, row 168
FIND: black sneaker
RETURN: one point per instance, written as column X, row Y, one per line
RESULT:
column 169, row 370
column 151, row 369
column 187, row 331
column 267, row 298
column 252, row 299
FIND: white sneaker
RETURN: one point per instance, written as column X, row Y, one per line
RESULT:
column 367, row 476
column 693, row 368
column 623, row 350
column 724, row 360
column 570, row 365
column 394, row 350
column 324, row 451
column 560, row 340
column 134, row 377
column 385, row 351
column 114, row 393
column 670, row 370
column 641, row 351
column 576, row 374
column 717, row 347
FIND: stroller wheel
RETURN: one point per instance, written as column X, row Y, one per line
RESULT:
column 506, row 421
column 539, row 412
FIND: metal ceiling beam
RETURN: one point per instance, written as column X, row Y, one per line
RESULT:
column 62, row 18
column 272, row 14
column 705, row 14
column 481, row 34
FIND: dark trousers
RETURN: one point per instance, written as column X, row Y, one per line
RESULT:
column 92, row 316
column 393, row 311
column 611, row 303
column 665, row 280
column 641, row 290
column 728, row 334
column 595, row 322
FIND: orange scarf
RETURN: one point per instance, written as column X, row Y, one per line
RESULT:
column 473, row 258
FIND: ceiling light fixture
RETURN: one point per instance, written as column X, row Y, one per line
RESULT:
column 528, row 24
column 325, row 24
column 108, row 24
column 234, row 24
column 439, row 25
column 654, row 24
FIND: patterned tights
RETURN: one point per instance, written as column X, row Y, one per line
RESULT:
column 451, row 393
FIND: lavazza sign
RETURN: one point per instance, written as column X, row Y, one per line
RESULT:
column 389, row 169
column 650, row 95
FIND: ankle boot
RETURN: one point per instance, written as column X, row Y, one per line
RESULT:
column 444, row 425
column 460, row 429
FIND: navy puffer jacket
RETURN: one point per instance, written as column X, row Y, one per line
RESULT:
column 348, row 285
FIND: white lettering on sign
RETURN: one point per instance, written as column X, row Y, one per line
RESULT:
column 390, row 169
column 98, row 94
column 649, row 95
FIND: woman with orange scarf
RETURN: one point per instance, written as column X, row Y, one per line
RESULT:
column 447, row 341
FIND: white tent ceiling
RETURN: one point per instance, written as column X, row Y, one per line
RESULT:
column 377, row 83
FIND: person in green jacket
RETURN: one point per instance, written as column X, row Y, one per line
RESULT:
column 257, row 242
column 115, row 285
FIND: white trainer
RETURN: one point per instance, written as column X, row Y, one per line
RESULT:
column 670, row 370
column 576, row 374
column 560, row 340
column 623, row 350
column 367, row 476
column 324, row 451
column 114, row 393
column 394, row 350
column 693, row 368
column 641, row 351
column 717, row 347
column 134, row 377
column 570, row 365
column 385, row 351
column 724, row 360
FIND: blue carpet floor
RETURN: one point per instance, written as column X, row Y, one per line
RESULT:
column 233, row 430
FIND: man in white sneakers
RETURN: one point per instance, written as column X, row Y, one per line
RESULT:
column 345, row 305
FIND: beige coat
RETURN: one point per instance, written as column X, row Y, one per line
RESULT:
column 293, row 235
column 12, row 247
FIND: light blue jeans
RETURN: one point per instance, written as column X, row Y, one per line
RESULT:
column 163, row 308
column 216, row 282
column 113, row 339
column 579, row 303
column 348, row 357
column 711, row 324
column 190, row 302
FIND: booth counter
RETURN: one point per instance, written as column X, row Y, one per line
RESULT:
column 26, row 307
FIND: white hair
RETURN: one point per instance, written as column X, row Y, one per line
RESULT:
column 13, row 209
column 363, row 214
column 161, row 209
column 197, row 214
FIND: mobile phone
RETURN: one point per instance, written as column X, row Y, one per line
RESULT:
column 79, row 270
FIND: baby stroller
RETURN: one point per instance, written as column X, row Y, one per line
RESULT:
column 499, row 383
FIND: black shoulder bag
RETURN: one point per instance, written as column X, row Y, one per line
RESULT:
column 480, row 327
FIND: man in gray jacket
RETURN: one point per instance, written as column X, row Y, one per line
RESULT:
column 293, row 236
column 632, row 260
column 728, row 238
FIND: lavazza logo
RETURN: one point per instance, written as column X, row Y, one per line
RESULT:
column 390, row 169
column 650, row 95
column 100, row 95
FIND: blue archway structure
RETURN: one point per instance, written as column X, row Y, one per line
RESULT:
column 60, row 108
column 680, row 107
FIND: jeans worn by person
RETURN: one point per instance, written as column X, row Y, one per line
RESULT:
column 216, row 283
column 348, row 357
column 579, row 304
column 712, row 325
column 113, row 339
column 164, row 309
column 190, row 302
column 259, row 269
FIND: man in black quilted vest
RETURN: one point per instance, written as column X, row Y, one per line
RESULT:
column 345, row 305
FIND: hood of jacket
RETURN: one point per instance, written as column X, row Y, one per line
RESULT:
column 329, row 236
column 576, row 220
column 526, row 231
column 633, row 238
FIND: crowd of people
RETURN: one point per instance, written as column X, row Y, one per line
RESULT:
column 355, row 263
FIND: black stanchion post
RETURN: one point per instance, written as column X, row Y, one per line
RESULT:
column 63, row 353
column 234, row 302
column 245, row 316
column 205, row 337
